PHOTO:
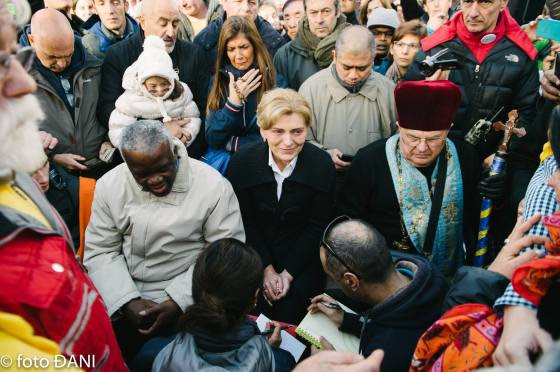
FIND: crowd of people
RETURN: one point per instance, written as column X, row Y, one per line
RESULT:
column 170, row 170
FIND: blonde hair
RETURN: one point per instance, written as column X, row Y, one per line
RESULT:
column 279, row 102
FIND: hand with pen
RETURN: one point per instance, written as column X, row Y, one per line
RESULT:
column 275, row 285
column 273, row 333
column 328, row 306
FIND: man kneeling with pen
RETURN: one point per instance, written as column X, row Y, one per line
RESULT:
column 405, row 298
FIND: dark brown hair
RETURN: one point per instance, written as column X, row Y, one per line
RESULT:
column 363, row 11
column 414, row 27
column 177, row 90
column 232, row 27
column 225, row 279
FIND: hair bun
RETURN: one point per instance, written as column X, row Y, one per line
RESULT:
column 155, row 42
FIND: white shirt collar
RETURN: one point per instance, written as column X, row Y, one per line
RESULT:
column 288, row 170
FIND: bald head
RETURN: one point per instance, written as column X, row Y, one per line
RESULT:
column 161, row 18
column 52, row 38
column 362, row 248
column 354, row 40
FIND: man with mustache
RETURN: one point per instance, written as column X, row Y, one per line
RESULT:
column 44, row 290
column 352, row 105
column 109, row 25
column 382, row 23
column 160, row 18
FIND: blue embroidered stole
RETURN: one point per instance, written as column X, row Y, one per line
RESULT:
column 414, row 196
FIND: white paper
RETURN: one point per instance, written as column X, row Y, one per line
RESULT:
column 289, row 342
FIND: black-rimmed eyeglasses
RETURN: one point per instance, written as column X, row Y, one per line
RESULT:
column 324, row 243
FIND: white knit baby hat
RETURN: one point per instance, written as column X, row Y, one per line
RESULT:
column 155, row 61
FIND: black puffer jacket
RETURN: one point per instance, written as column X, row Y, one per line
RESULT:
column 208, row 38
column 507, row 77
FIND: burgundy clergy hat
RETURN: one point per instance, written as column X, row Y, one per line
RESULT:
column 427, row 105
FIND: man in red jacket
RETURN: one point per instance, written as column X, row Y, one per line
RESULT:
column 41, row 280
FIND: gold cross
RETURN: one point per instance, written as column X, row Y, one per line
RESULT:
column 509, row 129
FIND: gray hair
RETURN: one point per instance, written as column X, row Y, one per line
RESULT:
column 362, row 248
column 355, row 39
column 145, row 136
column 336, row 5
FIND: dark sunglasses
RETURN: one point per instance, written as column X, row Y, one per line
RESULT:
column 324, row 243
column 24, row 56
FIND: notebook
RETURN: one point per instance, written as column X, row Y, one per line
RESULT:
column 289, row 342
column 313, row 326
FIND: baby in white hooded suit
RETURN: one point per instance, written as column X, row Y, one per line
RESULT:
column 152, row 90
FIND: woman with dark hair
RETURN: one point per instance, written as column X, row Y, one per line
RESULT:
column 285, row 187
column 369, row 5
column 215, row 330
column 244, row 71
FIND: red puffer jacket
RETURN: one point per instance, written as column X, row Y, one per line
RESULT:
column 42, row 282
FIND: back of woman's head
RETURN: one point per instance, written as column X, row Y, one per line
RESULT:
column 232, row 27
column 226, row 276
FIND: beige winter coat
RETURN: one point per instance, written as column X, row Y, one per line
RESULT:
column 349, row 121
column 140, row 245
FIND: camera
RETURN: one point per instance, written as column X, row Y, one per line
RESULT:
column 444, row 60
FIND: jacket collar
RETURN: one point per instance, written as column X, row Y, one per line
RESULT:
column 513, row 32
column 338, row 92
column 183, row 178
column 259, row 172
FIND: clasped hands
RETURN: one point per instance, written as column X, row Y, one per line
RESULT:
column 150, row 317
column 276, row 285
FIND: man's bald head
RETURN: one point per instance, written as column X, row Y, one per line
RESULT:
column 161, row 18
column 362, row 248
column 355, row 39
column 52, row 38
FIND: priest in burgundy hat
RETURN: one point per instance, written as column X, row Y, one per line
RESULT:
column 418, row 187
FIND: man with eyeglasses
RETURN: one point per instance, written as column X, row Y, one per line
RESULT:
column 383, row 23
column 352, row 105
column 311, row 49
column 48, row 305
column 399, row 301
column 418, row 188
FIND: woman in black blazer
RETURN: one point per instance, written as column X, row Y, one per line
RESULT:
column 285, row 189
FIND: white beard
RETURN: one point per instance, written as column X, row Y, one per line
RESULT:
column 21, row 148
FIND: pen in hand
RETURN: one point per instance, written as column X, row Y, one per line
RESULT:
column 331, row 305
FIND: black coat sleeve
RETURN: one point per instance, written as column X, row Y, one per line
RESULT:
column 112, row 72
column 357, row 188
column 200, row 95
column 474, row 285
